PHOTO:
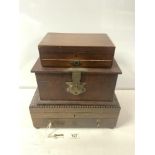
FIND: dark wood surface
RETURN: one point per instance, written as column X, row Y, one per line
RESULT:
column 75, row 103
column 76, row 39
column 38, row 68
column 91, row 50
column 74, row 116
column 100, row 83
column 99, row 87
column 60, row 56
column 73, row 63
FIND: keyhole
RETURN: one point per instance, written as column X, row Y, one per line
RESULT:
column 76, row 63
column 74, row 115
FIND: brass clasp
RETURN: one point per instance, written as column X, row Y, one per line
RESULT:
column 76, row 87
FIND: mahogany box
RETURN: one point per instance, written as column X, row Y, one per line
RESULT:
column 74, row 116
column 76, row 50
column 76, row 76
column 76, row 84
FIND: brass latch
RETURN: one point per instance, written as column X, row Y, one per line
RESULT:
column 76, row 87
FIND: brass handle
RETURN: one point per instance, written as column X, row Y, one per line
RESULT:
column 98, row 123
column 76, row 87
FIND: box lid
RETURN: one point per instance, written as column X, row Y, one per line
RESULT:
column 76, row 39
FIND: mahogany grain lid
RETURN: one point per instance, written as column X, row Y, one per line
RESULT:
column 76, row 50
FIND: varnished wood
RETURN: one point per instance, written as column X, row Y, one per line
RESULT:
column 70, row 62
column 38, row 68
column 75, row 103
column 100, row 83
column 91, row 50
column 71, row 116
column 61, row 54
column 76, row 39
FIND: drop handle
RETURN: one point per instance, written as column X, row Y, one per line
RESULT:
column 98, row 123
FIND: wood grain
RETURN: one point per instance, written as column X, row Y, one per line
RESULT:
column 82, row 47
column 71, row 116
column 100, row 83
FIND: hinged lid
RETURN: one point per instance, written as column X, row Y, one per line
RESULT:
column 76, row 50
column 76, row 39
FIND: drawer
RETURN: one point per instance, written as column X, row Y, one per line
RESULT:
column 74, row 116
column 75, row 123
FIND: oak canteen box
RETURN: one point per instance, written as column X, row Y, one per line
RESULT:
column 74, row 116
column 76, row 84
column 76, row 50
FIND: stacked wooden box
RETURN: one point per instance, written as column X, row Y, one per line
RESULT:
column 76, row 76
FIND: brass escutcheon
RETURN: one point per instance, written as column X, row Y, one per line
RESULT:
column 76, row 87
column 75, row 63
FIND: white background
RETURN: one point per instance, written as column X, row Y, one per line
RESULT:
column 145, row 75
column 116, row 18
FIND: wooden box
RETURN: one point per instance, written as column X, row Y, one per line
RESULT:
column 76, row 50
column 77, row 116
column 76, row 84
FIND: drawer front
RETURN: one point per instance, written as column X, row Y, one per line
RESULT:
column 75, row 123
